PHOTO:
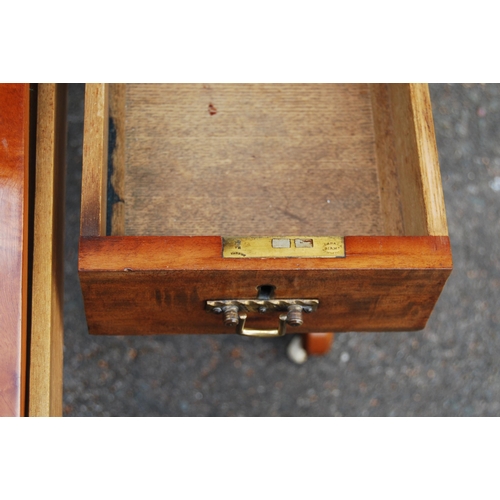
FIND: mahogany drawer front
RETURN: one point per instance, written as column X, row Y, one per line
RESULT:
column 186, row 162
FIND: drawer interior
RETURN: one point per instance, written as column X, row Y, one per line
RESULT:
column 250, row 159
column 266, row 159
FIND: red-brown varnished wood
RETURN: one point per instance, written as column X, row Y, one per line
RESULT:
column 14, row 136
column 160, row 253
column 150, row 285
column 317, row 344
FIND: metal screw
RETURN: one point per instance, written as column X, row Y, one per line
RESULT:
column 307, row 309
column 295, row 316
column 217, row 310
column 262, row 309
column 231, row 317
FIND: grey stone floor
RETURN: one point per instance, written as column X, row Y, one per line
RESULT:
column 449, row 369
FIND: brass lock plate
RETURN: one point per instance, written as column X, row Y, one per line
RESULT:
column 283, row 246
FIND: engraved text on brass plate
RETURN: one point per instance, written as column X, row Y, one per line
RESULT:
column 284, row 246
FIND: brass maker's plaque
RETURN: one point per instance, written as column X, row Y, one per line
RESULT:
column 283, row 246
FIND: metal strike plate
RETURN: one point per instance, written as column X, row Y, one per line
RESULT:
column 283, row 246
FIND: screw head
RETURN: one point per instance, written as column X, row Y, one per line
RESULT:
column 307, row 309
column 262, row 309
column 217, row 310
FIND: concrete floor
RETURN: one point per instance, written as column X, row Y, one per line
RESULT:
column 451, row 368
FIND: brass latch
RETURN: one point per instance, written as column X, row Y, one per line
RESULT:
column 235, row 313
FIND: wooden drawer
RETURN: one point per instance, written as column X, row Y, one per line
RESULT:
column 169, row 170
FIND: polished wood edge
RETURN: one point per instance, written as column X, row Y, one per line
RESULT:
column 14, row 199
column 46, row 346
column 155, row 253
column 94, row 160
column 416, row 158
column 428, row 160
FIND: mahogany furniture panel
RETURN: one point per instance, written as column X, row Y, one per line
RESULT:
column 32, row 171
column 168, row 161
column 14, row 190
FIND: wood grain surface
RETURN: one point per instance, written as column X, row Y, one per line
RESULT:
column 14, row 173
column 46, row 359
column 253, row 159
column 150, row 285
column 390, row 202
column 417, row 162
column 267, row 159
column 95, row 160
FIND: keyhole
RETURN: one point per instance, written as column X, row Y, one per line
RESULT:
column 265, row 292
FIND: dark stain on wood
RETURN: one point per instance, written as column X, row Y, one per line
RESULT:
column 212, row 109
column 112, row 195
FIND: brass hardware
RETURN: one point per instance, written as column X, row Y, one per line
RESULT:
column 262, row 306
column 235, row 313
column 231, row 315
column 295, row 315
column 279, row 332
column 283, row 246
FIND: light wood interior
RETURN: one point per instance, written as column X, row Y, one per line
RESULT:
column 417, row 162
column 95, row 160
column 250, row 159
column 46, row 342
column 260, row 159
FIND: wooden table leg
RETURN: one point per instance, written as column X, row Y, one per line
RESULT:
column 317, row 343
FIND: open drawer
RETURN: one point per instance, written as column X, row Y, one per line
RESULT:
column 177, row 178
